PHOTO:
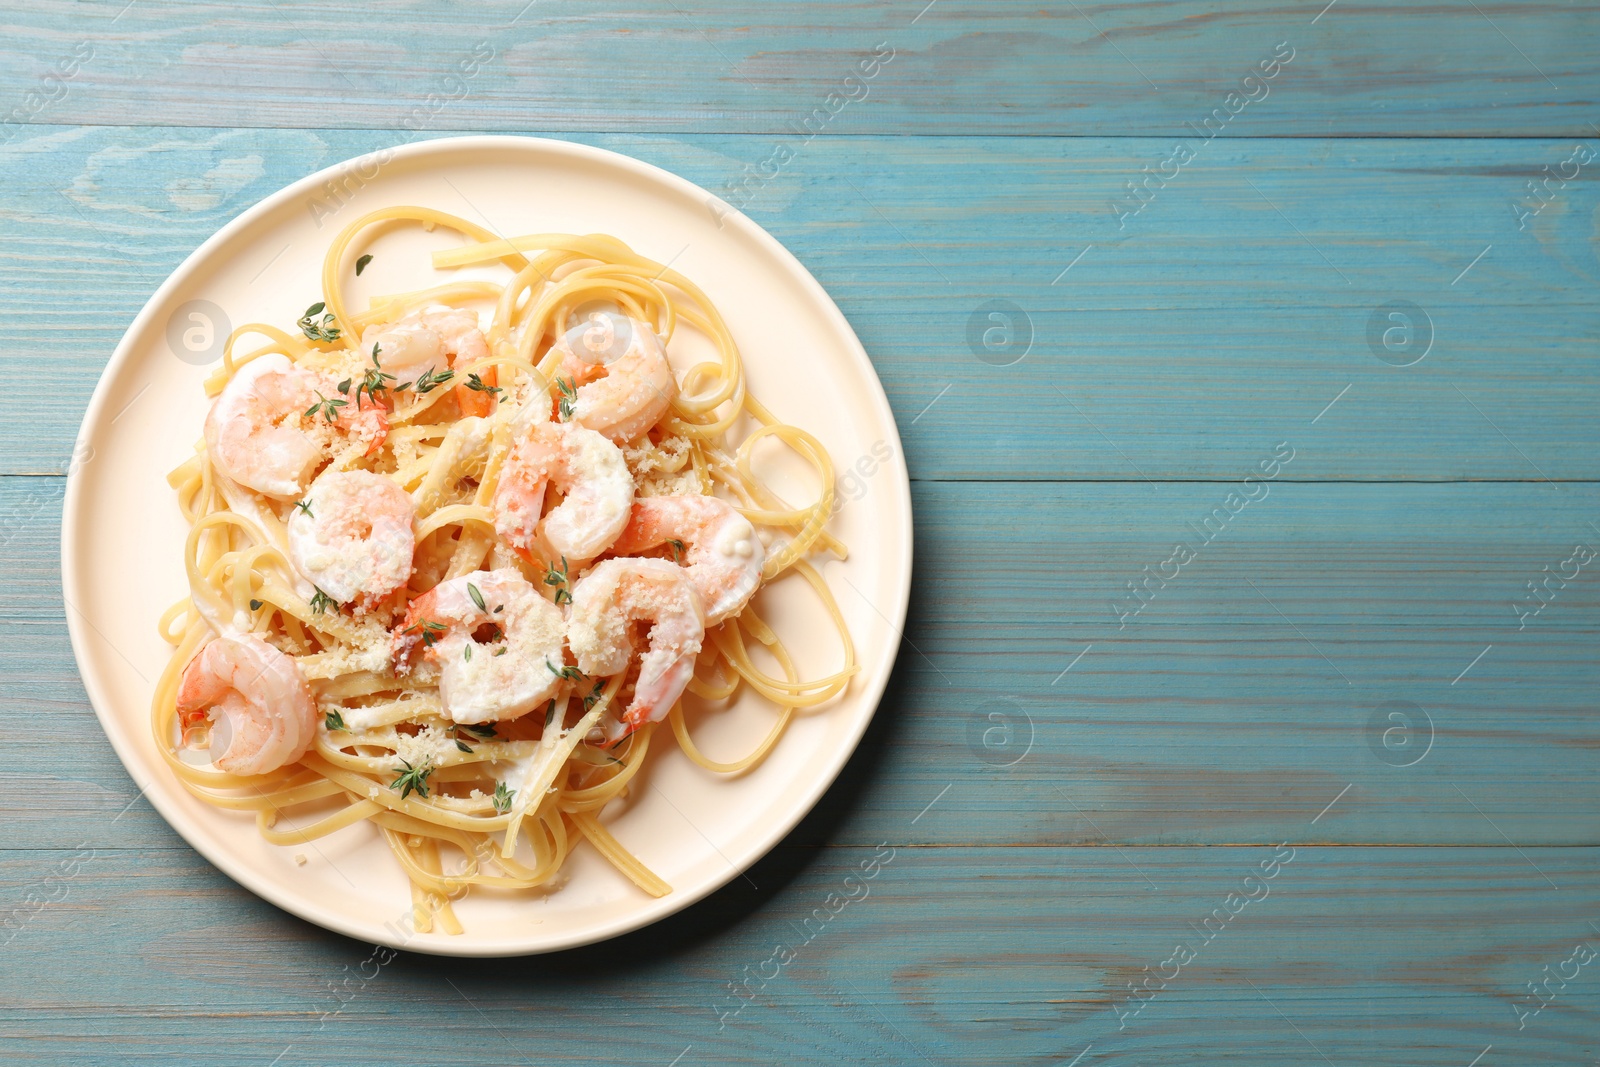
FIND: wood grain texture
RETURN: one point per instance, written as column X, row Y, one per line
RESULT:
column 946, row 956
column 1251, row 692
column 1429, row 68
column 1073, row 776
column 1218, row 317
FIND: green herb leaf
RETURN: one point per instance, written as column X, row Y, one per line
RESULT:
column 477, row 597
column 594, row 695
column 325, row 330
column 567, row 671
column 375, row 380
column 334, row 721
column 476, row 385
column 463, row 746
column 430, row 631
column 305, row 506
column 500, row 651
column 677, row 549
column 466, row 652
column 557, row 577
column 431, row 380
column 361, row 264
column 485, row 730
column 322, row 602
column 550, row 715
column 503, row 797
column 255, row 605
column 569, row 396
column 413, row 779
column 328, row 408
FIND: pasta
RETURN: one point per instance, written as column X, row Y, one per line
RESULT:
column 458, row 593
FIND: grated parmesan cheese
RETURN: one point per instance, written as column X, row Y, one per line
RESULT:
column 661, row 468
column 430, row 744
column 372, row 651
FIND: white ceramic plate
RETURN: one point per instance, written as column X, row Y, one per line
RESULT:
column 122, row 534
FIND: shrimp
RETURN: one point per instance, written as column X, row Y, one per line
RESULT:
column 261, row 708
column 719, row 547
column 500, row 673
column 620, row 395
column 428, row 342
column 464, row 343
column 592, row 476
column 275, row 423
column 351, row 536
column 607, row 601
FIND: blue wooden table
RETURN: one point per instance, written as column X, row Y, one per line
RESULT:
column 1245, row 359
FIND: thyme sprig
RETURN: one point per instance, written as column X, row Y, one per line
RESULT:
column 567, row 671
column 557, row 577
column 476, row 384
column 376, row 380
column 328, row 408
column 427, row 381
column 315, row 329
column 430, row 631
column 413, row 779
column 569, row 397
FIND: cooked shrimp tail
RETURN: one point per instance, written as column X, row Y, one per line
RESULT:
column 261, row 710
column 607, row 602
column 591, row 474
column 275, row 424
column 716, row 544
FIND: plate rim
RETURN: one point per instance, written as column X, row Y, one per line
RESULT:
column 307, row 908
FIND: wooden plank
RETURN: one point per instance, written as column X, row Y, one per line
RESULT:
column 1429, row 69
column 1252, row 691
column 1174, row 348
column 1381, row 956
column 1340, row 664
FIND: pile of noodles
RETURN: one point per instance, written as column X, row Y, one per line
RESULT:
column 456, row 833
